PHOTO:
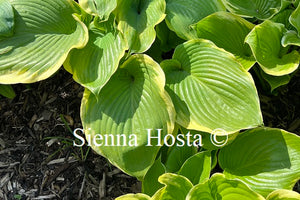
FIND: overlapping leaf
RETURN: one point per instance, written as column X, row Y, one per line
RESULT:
column 102, row 8
column 6, row 19
column 265, row 42
column 94, row 65
column 133, row 101
column 210, row 90
column 228, row 31
column 44, row 33
column 283, row 195
column 181, row 14
column 218, row 187
column 271, row 160
column 295, row 19
column 137, row 20
column 261, row 9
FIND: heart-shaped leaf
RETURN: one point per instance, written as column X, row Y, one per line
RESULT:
column 176, row 187
column 261, row 9
column 6, row 19
column 265, row 42
column 137, row 20
column 94, row 65
column 218, row 187
column 283, row 195
column 228, row 31
column 128, row 106
column 44, row 33
column 102, row 8
column 181, row 14
column 271, row 160
column 210, row 89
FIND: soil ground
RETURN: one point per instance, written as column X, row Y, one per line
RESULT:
column 37, row 156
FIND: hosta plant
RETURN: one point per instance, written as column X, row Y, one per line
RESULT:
column 161, row 77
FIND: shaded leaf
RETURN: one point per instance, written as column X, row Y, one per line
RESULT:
column 7, row 91
column 6, row 19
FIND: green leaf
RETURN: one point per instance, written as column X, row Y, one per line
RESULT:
column 102, row 8
column 271, row 160
column 210, row 90
column 220, row 188
column 290, row 38
column 150, row 183
column 228, row 31
column 6, row 19
column 137, row 20
column 44, row 33
column 197, row 168
column 182, row 14
column 7, row 91
column 134, row 197
column 283, row 195
column 177, row 155
column 265, row 42
column 261, row 9
column 283, row 18
column 94, row 65
column 177, row 187
column 276, row 81
column 133, row 101
column 295, row 19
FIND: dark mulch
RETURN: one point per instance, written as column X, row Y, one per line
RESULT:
column 39, row 161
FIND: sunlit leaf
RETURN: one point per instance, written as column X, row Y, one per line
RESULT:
column 283, row 195
column 181, row 14
column 271, row 160
column 261, row 9
column 44, row 33
column 133, row 101
column 265, row 42
column 102, row 8
column 210, row 90
column 228, row 31
column 218, row 187
column 133, row 197
column 290, row 38
column 137, row 19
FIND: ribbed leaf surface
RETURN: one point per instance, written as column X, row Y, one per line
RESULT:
column 133, row 101
column 261, row 9
column 93, row 65
column 210, row 90
column 218, row 187
column 6, row 19
column 228, row 31
column 181, row 14
column 102, row 8
column 271, row 160
column 137, row 20
column 265, row 42
column 45, row 32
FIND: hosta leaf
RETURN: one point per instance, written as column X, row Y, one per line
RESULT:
column 290, row 38
column 265, row 42
column 197, row 167
column 134, row 197
column 210, row 89
column 7, row 91
column 176, row 187
column 44, row 33
column 261, row 9
column 6, row 19
column 137, row 20
column 102, row 8
column 228, row 31
column 150, row 183
column 133, row 101
column 283, row 18
column 218, row 187
column 283, row 195
column 295, row 19
column 276, row 81
column 181, row 14
column 271, row 160
column 93, row 65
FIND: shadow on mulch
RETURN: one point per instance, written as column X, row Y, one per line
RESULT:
column 37, row 156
